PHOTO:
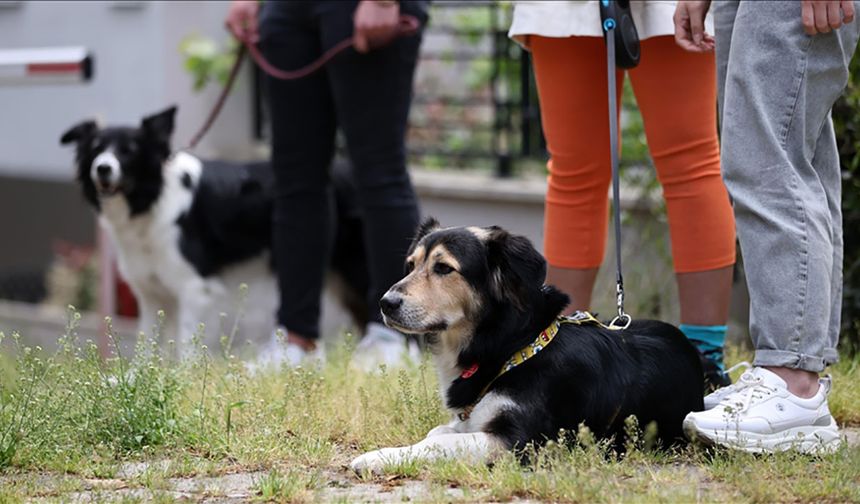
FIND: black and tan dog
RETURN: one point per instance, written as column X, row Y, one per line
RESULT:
column 510, row 370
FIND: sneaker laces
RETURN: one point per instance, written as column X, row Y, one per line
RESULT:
column 734, row 387
column 749, row 389
column 742, row 364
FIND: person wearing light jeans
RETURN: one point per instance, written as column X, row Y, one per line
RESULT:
column 780, row 68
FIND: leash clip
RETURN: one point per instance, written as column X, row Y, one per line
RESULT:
column 622, row 320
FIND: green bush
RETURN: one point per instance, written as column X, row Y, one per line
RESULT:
column 847, row 122
column 206, row 61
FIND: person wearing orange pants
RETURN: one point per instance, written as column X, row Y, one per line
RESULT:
column 676, row 93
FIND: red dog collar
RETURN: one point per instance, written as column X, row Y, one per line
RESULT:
column 468, row 372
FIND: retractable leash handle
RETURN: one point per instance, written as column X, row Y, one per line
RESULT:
column 618, row 22
column 622, row 50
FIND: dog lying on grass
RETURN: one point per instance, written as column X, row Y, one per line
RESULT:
column 510, row 370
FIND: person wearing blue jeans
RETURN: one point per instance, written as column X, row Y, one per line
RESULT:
column 780, row 68
column 366, row 94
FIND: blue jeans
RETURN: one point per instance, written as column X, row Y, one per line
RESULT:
column 776, row 87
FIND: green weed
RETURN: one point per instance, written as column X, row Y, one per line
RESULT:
column 291, row 486
column 83, row 418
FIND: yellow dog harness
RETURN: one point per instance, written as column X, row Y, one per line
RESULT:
column 527, row 352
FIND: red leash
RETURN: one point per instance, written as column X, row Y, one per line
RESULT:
column 407, row 25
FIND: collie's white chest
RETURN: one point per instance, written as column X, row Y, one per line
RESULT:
column 141, row 246
column 147, row 244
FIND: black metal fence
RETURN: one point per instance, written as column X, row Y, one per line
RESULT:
column 467, row 42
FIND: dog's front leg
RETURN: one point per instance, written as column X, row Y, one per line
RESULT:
column 147, row 318
column 163, row 331
column 197, row 305
column 170, row 331
column 191, row 325
column 471, row 447
column 151, row 301
column 448, row 428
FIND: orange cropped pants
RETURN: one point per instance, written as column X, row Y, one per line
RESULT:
column 676, row 93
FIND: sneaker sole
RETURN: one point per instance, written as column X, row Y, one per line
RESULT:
column 811, row 440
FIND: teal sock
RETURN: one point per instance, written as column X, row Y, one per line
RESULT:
column 708, row 339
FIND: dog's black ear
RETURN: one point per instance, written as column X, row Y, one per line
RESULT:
column 159, row 126
column 429, row 225
column 517, row 270
column 79, row 133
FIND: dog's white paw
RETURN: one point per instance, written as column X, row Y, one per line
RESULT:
column 375, row 461
column 441, row 429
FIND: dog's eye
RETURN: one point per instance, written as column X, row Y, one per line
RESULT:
column 442, row 269
column 126, row 149
column 409, row 266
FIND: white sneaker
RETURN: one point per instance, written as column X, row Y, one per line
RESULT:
column 277, row 351
column 762, row 416
column 382, row 345
column 715, row 397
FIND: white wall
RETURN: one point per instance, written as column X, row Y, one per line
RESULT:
column 138, row 70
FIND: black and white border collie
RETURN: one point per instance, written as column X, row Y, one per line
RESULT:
column 478, row 295
column 188, row 233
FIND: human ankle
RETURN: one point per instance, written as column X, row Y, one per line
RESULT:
column 802, row 383
column 306, row 344
column 708, row 339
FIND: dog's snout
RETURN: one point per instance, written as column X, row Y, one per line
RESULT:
column 390, row 302
column 103, row 171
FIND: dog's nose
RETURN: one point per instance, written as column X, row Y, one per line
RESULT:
column 390, row 302
column 103, row 171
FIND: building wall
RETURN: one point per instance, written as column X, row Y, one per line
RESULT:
column 138, row 71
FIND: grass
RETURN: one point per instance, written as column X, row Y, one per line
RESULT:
column 72, row 422
column 291, row 486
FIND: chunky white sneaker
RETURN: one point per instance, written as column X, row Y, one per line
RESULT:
column 762, row 416
column 382, row 345
column 718, row 395
column 277, row 351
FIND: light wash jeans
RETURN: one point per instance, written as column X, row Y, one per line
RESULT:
column 776, row 87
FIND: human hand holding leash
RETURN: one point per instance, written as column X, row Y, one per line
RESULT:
column 689, row 21
column 823, row 16
column 376, row 23
column 242, row 20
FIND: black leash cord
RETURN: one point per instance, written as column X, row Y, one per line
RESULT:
column 623, row 319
